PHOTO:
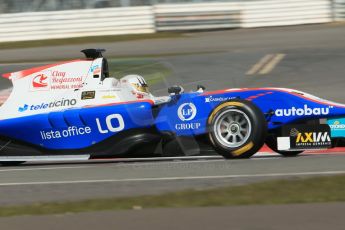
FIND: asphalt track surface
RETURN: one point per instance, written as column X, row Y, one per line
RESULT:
column 101, row 179
column 308, row 58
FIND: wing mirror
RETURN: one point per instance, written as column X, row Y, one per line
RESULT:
column 175, row 90
column 200, row 88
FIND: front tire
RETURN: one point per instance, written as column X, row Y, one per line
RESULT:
column 237, row 129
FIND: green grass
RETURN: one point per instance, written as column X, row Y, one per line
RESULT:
column 312, row 190
column 85, row 40
column 154, row 72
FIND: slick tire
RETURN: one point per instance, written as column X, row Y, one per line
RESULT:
column 271, row 142
column 237, row 129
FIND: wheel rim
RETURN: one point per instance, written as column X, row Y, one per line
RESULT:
column 232, row 128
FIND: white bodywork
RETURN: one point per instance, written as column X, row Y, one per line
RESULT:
column 66, row 85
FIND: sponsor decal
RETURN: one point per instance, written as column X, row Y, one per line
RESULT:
column 93, row 68
column 87, row 95
column 217, row 99
column 60, row 80
column 312, row 137
column 40, row 81
column 337, row 127
column 113, row 123
column 70, row 132
column 309, row 136
column 59, row 103
column 23, row 108
column 187, row 126
column 186, row 111
column 97, row 71
column 305, row 111
column 108, row 97
column 56, row 80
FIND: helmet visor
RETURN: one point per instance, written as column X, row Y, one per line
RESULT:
column 141, row 88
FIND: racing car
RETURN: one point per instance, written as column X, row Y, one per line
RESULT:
column 75, row 110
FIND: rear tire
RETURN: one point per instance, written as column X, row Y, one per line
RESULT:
column 237, row 129
column 271, row 142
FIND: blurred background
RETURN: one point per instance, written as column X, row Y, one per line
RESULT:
column 22, row 20
column 15, row 6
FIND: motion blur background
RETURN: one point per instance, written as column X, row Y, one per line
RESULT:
column 22, row 20
column 14, row 6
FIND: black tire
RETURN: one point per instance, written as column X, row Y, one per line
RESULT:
column 11, row 163
column 271, row 142
column 254, row 137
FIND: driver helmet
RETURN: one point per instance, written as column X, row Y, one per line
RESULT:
column 137, row 83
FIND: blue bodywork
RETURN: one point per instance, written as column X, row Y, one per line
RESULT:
column 77, row 128
column 184, row 115
column 280, row 107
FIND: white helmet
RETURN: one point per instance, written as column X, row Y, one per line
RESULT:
column 137, row 83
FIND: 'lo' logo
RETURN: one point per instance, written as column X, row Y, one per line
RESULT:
column 109, row 125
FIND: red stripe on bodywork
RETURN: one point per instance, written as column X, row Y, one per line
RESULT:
column 26, row 72
column 272, row 89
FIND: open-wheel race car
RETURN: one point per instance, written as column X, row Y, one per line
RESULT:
column 74, row 110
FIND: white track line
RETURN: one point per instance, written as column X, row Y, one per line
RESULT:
column 272, row 64
column 176, row 178
column 263, row 61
